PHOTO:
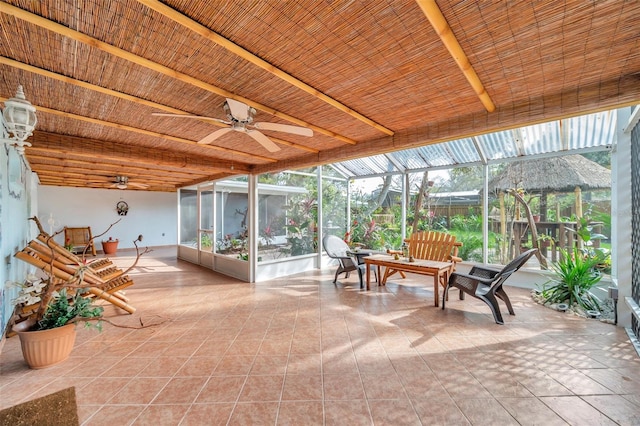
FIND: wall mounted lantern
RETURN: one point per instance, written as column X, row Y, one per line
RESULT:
column 19, row 120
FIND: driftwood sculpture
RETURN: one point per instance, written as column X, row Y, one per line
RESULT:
column 66, row 270
column 532, row 226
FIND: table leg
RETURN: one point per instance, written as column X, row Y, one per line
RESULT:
column 436, row 288
column 368, row 275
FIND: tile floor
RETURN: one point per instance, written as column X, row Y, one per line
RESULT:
column 303, row 351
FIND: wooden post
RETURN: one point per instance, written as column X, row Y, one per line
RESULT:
column 578, row 193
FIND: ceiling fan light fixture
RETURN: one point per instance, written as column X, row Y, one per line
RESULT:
column 121, row 186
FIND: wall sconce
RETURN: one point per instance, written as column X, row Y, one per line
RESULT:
column 19, row 120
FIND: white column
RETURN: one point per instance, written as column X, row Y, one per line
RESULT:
column 405, row 200
column 252, row 222
column 621, row 215
column 485, row 215
column 319, row 225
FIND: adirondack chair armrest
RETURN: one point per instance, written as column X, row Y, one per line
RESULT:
column 455, row 259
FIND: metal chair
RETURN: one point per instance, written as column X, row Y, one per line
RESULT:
column 486, row 284
column 337, row 249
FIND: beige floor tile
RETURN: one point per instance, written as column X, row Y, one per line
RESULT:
column 616, row 407
column 294, row 413
column 575, row 410
column 301, row 350
column 394, row 412
column 214, row 414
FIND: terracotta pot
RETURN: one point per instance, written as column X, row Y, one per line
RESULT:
column 45, row 348
column 110, row 246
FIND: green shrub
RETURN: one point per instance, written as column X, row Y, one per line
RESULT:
column 575, row 275
column 470, row 246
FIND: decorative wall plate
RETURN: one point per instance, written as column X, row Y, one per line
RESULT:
column 122, row 208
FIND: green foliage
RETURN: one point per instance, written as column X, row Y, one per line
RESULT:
column 471, row 249
column 585, row 230
column 302, row 216
column 229, row 244
column 575, row 275
column 470, row 222
column 367, row 234
column 62, row 311
column 244, row 256
column 205, row 241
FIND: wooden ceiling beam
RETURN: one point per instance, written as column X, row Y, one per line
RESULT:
column 92, row 163
column 109, row 178
column 78, row 183
column 125, row 162
column 441, row 26
column 39, row 21
column 120, row 95
column 50, row 142
column 71, row 177
column 207, row 179
column 42, row 162
column 248, row 56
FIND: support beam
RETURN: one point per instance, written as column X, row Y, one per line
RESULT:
column 442, row 28
column 47, row 144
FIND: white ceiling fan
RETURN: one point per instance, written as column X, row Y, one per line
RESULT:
column 122, row 182
column 240, row 118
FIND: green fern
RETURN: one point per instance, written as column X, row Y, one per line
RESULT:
column 64, row 310
column 576, row 274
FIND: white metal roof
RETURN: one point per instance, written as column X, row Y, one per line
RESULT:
column 588, row 132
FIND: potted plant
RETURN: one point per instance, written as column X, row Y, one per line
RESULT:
column 55, row 300
column 110, row 246
column 48, row 335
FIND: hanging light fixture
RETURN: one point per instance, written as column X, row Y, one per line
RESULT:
column 19, row 120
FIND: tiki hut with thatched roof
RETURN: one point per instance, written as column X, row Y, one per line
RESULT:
column 569, row 173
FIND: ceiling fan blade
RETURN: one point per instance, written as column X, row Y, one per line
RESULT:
column 267, row 143
column 138, row 185
column 296, row 130
column 200, row 117
column 239, row 111
column 215, row 135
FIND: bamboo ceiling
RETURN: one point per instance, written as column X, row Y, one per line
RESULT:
column 366, row 76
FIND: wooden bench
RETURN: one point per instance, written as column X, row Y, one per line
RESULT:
column 428, row 245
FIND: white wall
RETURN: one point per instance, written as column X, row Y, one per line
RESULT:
column 17, row 192
column 152, row 214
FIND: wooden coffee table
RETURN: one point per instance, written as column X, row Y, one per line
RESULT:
column 439, row 270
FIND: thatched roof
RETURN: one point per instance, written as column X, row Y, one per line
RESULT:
column 557, row 174
column 368, row 77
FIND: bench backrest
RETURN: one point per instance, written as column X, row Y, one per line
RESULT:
column 432, row 245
